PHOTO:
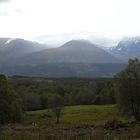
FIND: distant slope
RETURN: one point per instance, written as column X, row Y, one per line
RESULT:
column 64, row 69
column 12, row 48
column 127, row 48
column 3, row 41
column 75, row 51
column 76, row 58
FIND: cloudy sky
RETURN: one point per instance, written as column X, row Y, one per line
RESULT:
column 38, row 19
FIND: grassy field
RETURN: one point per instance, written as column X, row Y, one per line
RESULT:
column 87, row 114
column 83, row 122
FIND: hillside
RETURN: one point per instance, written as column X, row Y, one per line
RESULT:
column 13, row 48
column 127, row 48
column 64, row 69
column 75, row 51
column 78, row 58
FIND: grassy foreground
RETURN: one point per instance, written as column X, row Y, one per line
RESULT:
column 82, row 114
column 83, row 122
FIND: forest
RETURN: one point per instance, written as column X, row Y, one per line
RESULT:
column 43, row 108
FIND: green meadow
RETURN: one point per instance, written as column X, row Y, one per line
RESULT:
column 82, row 122
column 81, row 114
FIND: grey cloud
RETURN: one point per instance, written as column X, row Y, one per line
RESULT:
column 4, row 1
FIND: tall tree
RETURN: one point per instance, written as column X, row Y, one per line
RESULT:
column 128, row 85
column 11, row 109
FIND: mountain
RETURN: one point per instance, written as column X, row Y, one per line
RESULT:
column 13, row 48
column 127, row 48
column 3, row 41
column 74, row 51
column 76, row 58
column 64, row 69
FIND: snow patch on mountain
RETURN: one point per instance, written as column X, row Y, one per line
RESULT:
column 10, row 40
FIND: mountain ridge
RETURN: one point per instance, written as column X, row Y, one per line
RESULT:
column 74, row 51
column 14, row 47
column 127, row 48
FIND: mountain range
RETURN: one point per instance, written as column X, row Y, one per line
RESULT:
column 13, row 48
column 127, row 48
column 79, row 58
column 74, row 51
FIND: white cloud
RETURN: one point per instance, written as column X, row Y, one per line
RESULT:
column 31, row 18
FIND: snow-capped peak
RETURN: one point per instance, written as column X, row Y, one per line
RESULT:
column 8, row 41
column 134, row 40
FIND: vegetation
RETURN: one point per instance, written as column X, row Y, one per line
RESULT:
column 82, row 108
column 11, row 109
column 128, row 83
column 56, row 105
column 80, row 114
column 78, row 122
column 37, row 92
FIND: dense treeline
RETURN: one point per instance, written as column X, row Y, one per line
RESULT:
column 11, row 107
column 37, row 93
column 34, row 93
column 128, row 89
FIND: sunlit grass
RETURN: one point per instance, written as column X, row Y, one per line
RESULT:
column 87, row 114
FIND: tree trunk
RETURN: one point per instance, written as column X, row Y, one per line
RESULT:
column 57, row 119
column 137, row 117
